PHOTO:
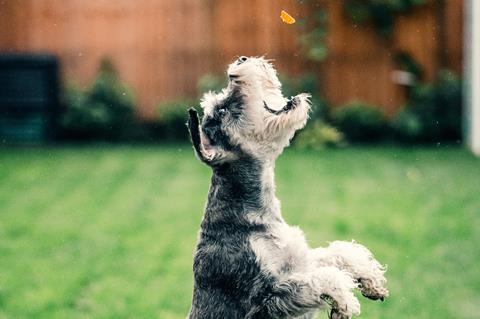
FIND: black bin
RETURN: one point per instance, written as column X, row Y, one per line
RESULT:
column 29, row 98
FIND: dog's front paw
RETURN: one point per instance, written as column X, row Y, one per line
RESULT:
column 372, row 289
column 337, row 289
column 359, row 261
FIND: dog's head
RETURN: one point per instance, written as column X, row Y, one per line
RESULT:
column 248, row 117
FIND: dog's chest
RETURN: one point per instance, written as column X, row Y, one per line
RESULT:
column 281, row 249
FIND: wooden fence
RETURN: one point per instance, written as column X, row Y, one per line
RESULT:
column 162, row 47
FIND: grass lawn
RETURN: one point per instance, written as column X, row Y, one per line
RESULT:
column 95, row 232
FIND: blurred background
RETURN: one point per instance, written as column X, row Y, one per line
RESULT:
column 101, row 196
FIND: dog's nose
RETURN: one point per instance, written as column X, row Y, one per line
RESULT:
column 242, row 59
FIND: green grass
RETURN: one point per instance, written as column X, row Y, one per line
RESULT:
column 109, row 233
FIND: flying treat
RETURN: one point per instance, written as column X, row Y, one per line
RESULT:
column 288, row 19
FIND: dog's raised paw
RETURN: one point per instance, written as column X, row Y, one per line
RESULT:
column 371, row 290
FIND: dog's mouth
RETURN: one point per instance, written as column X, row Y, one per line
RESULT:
column 201, row 143
column 291, row 104
column 235, row 78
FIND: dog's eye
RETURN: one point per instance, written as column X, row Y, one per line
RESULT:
column 221, row 111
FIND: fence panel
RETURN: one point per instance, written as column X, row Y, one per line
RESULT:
column 162, row 47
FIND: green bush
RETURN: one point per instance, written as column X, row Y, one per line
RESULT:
column 105, row 110
column 172, row 116
column 360, row 122
column 433, row 113
column 318, row 135
column 406, row 125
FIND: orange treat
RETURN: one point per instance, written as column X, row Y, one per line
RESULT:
column 288, row 19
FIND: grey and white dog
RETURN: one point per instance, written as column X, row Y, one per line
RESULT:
column 249, row 263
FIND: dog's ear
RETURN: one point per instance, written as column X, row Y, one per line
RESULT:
column 207, row 153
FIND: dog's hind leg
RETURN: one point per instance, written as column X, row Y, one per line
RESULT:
column 357, row 260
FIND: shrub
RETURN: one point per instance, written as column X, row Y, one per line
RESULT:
column 406, row 125
column 433, row 113
column 318, row 135
column 105, row 110
column 360, row 122
column 172, row 116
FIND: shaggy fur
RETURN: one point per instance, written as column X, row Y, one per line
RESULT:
column 249, row 263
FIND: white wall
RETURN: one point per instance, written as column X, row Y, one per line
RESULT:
column 472, row 75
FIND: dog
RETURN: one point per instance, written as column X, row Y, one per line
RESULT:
column 249, row 263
